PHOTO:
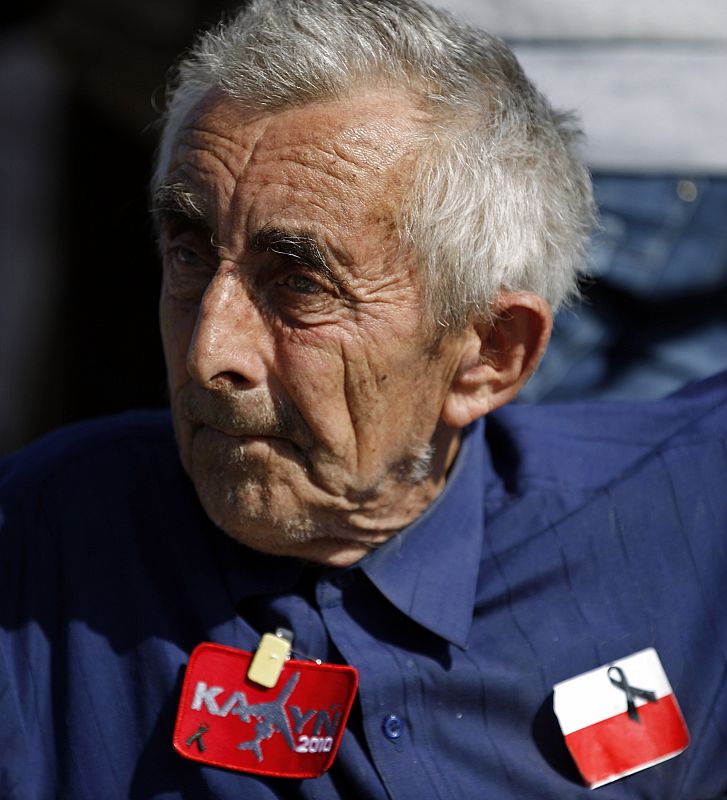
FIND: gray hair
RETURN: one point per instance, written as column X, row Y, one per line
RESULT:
column 499, row 199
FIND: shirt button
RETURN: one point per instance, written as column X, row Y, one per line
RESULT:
column 393, row 727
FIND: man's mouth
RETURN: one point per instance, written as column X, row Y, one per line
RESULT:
column 247, row 415
column 237, row 433
column 251, row 421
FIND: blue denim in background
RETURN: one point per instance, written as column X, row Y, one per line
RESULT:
column 654, row 317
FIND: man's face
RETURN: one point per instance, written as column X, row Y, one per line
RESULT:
column 305, row 392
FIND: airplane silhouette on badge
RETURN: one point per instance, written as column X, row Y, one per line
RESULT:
column 270, row 716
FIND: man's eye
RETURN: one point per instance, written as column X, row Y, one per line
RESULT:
column 187, row 270
column 301, row 284
column 186, row 256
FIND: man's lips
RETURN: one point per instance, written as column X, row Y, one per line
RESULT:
column 222, row 439
column 236, row 433
column 249, row 414
column 249, row 432
column 235, row 436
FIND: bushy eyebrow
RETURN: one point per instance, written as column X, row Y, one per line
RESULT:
column 175, row 200
column 300, row 246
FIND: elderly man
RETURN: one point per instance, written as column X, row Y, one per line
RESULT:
column 366, row 215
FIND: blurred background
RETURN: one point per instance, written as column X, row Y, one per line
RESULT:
column 80, row 85
column 649, row 80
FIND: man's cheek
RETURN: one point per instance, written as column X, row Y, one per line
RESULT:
column 177, row 328
column 314, row 380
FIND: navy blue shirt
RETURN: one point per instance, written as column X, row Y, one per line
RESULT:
column 566, row 537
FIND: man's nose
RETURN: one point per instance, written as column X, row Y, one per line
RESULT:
column 229, row 335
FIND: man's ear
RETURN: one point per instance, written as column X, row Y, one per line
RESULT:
column 498, row 357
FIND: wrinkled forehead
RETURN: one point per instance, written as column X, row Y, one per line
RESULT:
column 370, row 136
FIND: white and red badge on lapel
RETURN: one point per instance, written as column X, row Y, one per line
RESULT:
column 291, row 730
column 620, row 718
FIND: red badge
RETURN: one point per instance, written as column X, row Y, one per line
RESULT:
column 620, row 718
column 291, row 730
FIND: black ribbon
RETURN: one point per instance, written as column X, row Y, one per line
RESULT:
column 631, row 692
column 197, row 737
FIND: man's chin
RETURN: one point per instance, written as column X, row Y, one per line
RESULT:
column 328, row 552
column 298, row 536
column 260, row 492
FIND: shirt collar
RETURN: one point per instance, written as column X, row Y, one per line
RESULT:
column 429, row 570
